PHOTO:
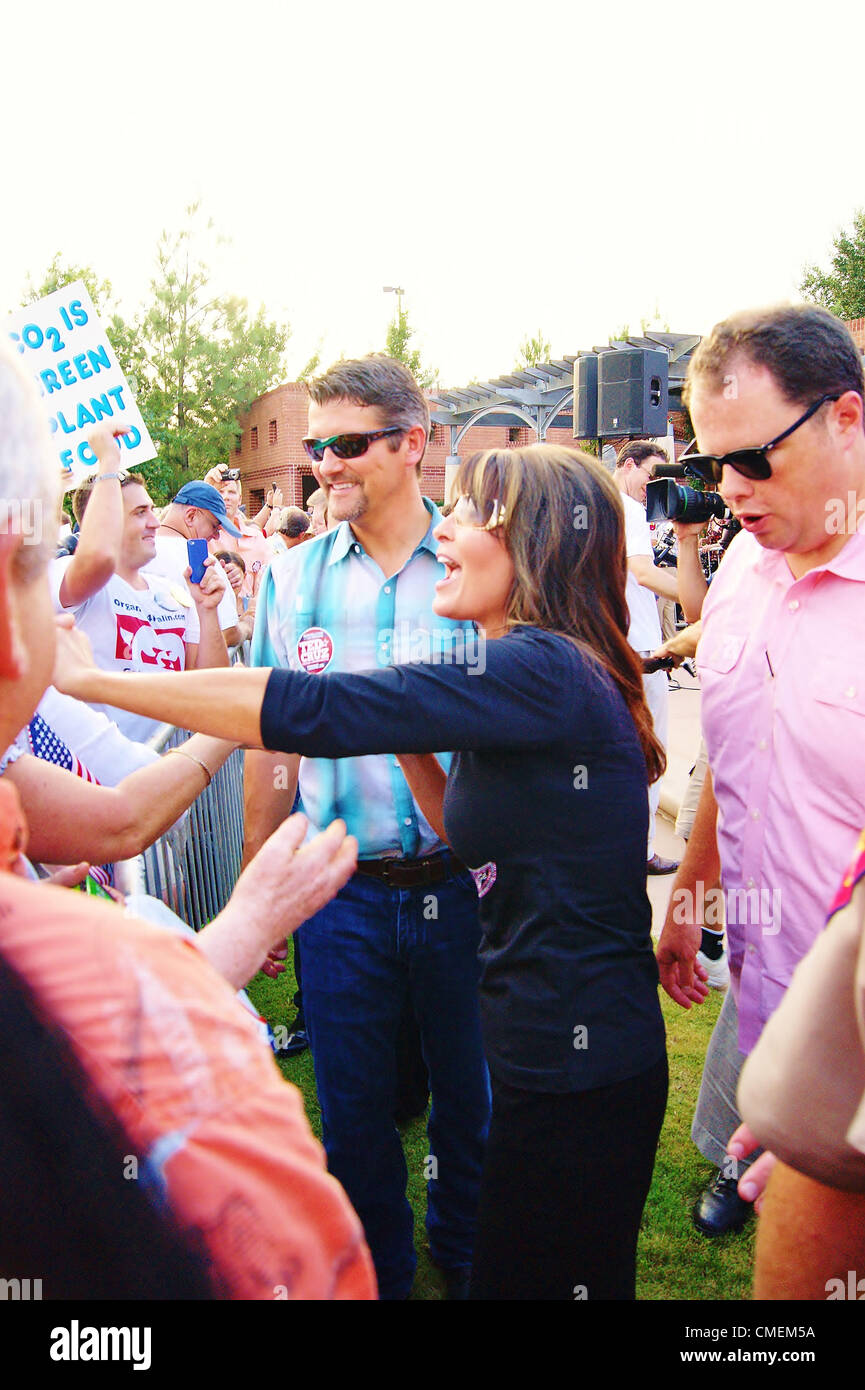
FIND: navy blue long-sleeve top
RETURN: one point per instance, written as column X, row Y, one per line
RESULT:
column 547, row 791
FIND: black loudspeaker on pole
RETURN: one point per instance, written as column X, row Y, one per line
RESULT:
column 586, row 396
column 633, row 393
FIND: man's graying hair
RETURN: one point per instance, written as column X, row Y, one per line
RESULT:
column 808, row 351
column 378, row 381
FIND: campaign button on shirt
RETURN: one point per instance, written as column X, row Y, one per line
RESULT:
column 314, row 649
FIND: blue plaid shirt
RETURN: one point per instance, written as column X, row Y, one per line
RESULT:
column 325, row 605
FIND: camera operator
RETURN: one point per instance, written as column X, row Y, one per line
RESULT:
column 635, row 467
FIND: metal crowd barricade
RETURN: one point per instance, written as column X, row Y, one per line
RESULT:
column 193, row 867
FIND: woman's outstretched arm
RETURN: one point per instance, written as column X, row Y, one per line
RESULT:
column 225, row 703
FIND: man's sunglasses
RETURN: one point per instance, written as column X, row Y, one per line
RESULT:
column 347, row 446
column 751, row 463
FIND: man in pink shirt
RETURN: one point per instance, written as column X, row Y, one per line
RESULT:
column 776, row 397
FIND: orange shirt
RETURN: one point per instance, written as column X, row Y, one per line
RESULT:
column 181, row 1064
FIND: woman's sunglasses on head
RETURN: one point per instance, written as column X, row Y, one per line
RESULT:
column 750, row 463
column 483, row 516
column 347, row 446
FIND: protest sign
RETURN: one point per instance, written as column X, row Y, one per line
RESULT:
column 65, row 348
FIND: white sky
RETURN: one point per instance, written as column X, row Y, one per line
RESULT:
column 615, row 159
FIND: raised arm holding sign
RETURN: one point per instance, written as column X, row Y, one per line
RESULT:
column 98, row 551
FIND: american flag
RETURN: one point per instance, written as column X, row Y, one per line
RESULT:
column 49, row 746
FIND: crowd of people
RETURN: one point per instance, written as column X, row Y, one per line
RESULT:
column 452, row 762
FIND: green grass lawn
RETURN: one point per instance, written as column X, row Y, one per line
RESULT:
column 673, row 1260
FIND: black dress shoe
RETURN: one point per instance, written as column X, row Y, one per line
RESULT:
column 657, row 865
column 720, row 1209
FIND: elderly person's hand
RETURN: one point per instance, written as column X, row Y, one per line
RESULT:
column 287, row 882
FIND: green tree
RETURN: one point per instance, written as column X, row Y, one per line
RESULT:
column 532, row 351
column 195, row 360
column 841, row 290
column 399, row 335
column 308, row 371
column 206, row 358
column 57, row 275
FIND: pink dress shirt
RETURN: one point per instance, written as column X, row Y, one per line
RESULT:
column 782, row 664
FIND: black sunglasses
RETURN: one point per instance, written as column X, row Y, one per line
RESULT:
column 347, row 446
column 751, row 463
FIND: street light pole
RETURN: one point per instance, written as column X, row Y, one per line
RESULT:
column 399, row 292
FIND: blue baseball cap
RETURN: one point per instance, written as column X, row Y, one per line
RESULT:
column 209, row 500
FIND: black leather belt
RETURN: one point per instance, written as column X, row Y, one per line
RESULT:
column 410, row 873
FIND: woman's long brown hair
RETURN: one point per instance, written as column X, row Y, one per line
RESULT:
column 564, row 528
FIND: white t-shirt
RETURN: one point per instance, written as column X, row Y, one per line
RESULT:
column 95, row 740
column 130, row 630
column 644, row 634
column 171, row 561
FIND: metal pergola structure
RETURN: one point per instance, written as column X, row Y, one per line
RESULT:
column 543, row 393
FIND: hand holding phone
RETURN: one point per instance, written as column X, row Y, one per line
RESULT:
column 197, row 552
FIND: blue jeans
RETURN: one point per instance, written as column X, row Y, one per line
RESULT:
column 362, row 955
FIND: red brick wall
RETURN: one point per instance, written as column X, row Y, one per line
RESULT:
column 857, row 332
column 283, row 462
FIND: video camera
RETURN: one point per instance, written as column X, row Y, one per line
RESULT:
column 667, row 500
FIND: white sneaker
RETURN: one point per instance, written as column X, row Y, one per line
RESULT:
column 717, row 971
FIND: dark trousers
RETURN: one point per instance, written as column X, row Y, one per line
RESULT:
column 564, row 1184
column 372, row 948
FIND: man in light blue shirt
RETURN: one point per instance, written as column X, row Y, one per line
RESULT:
column 358, row 597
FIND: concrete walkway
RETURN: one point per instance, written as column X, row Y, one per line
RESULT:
column 684, row 742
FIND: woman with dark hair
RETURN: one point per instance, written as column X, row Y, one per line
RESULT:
column 546, row 799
